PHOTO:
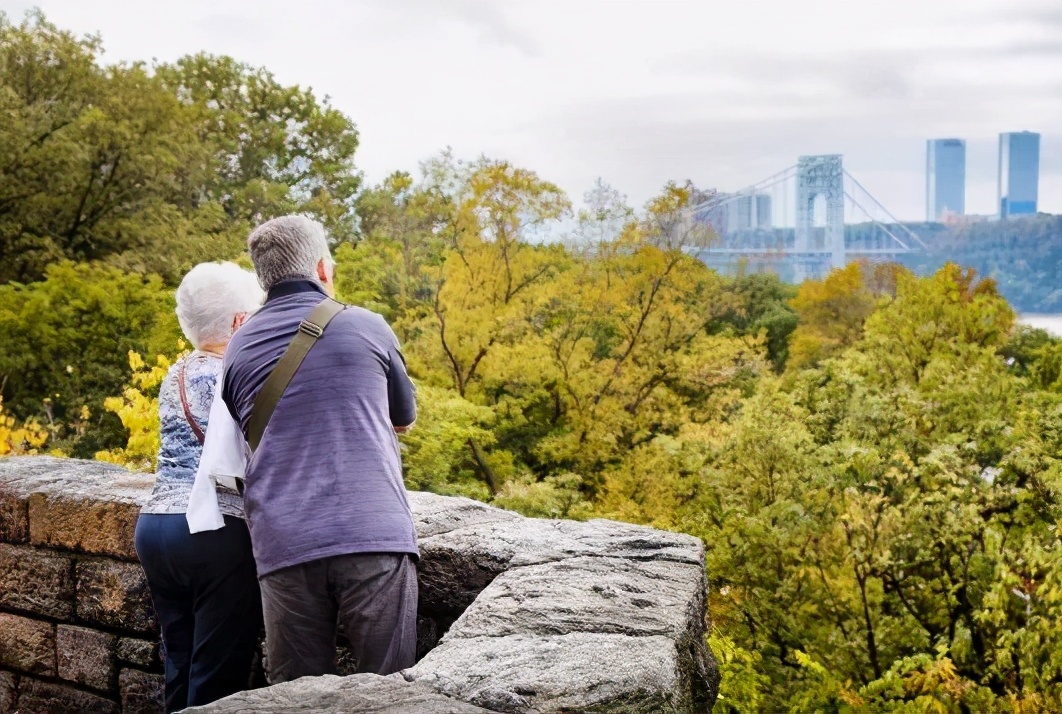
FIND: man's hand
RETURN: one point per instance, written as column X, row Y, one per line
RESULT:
column 402, row 429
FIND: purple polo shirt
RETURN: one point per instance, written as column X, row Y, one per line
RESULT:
column 327, row 476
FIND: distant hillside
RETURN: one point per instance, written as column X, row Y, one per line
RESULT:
column 1023, row 255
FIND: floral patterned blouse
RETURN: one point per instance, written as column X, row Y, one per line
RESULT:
column 179, row 449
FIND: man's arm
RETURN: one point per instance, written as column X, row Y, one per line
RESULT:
column 401, row 394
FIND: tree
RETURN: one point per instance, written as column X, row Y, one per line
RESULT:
column 17, row 438
column 90, row 157
column 759, row 302
column 832, row 311
column 490, row 278
column 66, row 341
column 436, row 455
column 407, row 223
column 669, row 223
column 602, row 219
column 155, row 170
column 138, row 410
column 271, row 149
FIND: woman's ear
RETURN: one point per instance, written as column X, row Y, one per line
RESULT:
column 238, row 319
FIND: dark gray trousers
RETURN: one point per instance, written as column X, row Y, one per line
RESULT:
column 373, row 596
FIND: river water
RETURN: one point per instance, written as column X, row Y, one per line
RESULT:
column 1052, row 323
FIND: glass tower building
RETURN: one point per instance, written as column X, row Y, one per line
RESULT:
column 945, row 178
column 750, row 211
column 1019, row 173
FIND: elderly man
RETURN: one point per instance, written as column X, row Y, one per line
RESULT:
column 329, row 520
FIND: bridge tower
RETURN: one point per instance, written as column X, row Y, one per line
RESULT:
column 820, row 176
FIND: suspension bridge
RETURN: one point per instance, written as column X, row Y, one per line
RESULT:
column 800, row 223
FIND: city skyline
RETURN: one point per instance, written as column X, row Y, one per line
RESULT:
column 1017, row 176
column 635, row 95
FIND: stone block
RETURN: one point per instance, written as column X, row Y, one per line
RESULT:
column 72, row 522
column 14, row 517
column 626, row 540
column 483, row 549
column 329, row 694
column 434, row 514
column 8, row 692
column 36, row 697
column 85, row 656
column 577, row 672
column 141, row 693
column 116, row 595
column 36, row 581
column 27, row 645
column 143, row 653
column 88, row 506
column 604, row 595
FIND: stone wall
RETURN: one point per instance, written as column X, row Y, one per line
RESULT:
column 77, row 630
column 516, row 614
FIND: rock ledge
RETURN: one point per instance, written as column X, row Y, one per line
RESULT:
column 516, row 614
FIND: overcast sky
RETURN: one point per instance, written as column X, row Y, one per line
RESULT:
column 724, row 93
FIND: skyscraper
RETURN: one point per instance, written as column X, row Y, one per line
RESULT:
column 1019, row 173
column 945, row 178
column 764, row 212
column 749, row 211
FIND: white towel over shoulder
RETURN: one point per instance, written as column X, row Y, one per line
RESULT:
column 224, row 459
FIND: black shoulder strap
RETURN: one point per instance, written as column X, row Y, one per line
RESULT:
column 265, row 402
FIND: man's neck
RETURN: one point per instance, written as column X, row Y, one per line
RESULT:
column 294, row 287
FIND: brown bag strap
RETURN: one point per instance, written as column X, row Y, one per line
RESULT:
column 196, row 429
column 265, row 402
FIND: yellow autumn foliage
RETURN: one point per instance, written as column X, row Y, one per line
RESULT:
column 18, row 438
column 138, row 410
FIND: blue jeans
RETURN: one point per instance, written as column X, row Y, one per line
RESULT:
column 205, row 590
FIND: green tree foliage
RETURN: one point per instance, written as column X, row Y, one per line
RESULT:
column 270, row 149
column 67, row 339
column 832, row 311
column 760, row 302
column 90, row 157
column 154, row 169
column 409, row 225
column 880, row 518
column 891, row 543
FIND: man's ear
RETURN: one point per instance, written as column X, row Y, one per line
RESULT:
column 327, row 277
column 238, row 319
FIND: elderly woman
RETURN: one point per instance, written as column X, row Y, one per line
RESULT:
column 204, row 586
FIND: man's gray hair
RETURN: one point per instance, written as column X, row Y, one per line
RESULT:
column 209, row 298
column 288, row 247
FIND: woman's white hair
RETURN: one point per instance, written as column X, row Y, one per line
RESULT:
column 288, row 247
column 209, row 298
